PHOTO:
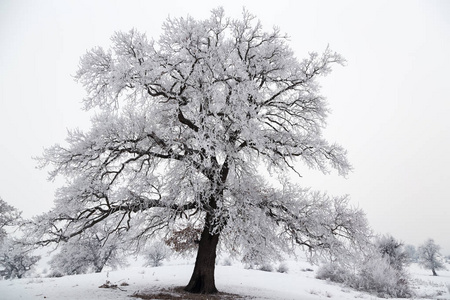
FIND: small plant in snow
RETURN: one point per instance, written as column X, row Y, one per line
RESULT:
column 282, row 268
column 314, row 292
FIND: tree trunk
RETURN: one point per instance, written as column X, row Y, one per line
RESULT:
column 202, row 280
column 434, row 272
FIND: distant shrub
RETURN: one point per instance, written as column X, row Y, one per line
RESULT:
column 333, row 272
column 379, row 271
column 156, row 253
column 266, row 267
column 379, row 277
column 55, row 274
column 283, row 268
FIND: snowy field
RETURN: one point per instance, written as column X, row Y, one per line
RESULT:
column 298, row 283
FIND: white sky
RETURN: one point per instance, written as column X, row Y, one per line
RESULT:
column 390, row 104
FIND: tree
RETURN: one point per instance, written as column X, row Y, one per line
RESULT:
column 411, row 253
column 15, row 259
column 182, row 128
column 430, row 256
column 9, row 216
column 156, row 253
column 90, row 252
column 393, row 251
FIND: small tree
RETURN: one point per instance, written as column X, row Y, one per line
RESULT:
column 184, row 124
column 430, row 256
column 9, row 216
column 89, row 252
column 411, row 253
column 377, row 268
column 15, row 255
column 15, row 259
column 393, row 251
column 156, row 253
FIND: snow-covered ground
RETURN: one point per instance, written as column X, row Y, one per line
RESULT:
column 298, row 283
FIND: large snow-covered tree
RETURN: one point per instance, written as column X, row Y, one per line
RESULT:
column 184, row 125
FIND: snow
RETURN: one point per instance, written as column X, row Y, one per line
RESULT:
column 298, row 283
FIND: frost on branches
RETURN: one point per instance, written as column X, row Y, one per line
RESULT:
column 378, row 268
column 16, row 258
column 430, row 256
column 183, row 125
column 89, row 252
column 9, row 216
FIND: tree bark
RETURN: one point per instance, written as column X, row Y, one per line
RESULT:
column 202, row 280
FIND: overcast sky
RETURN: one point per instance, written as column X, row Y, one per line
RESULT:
column 390, row 104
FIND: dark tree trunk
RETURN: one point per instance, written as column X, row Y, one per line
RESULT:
column 202, row 280
column 434, row 272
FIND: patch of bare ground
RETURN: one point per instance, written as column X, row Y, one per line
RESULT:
column 180, row 293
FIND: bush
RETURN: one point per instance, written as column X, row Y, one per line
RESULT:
column 55, row 274
column 282, row 268
column 393, row 251
column 333, row 272
column 156, row 253
column 266, row 267
column 373, row 274
column 378, row 276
